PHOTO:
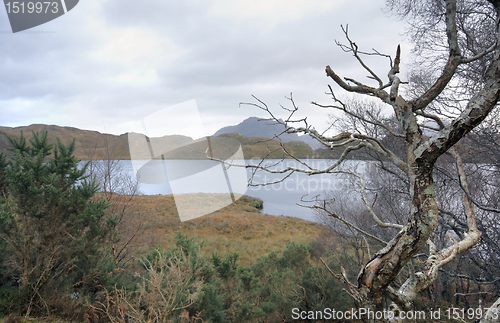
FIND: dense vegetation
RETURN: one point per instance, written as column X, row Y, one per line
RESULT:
column 58, row 245
column 73, row 251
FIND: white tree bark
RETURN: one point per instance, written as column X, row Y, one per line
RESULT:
column 375, row 279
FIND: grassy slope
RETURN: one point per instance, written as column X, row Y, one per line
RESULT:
column 238, row 227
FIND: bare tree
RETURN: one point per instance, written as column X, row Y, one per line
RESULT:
column 450, row 102
column 119, row 188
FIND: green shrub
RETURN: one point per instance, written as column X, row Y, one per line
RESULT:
column 49, row 219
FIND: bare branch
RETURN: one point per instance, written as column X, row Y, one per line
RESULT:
column 452, row 64
column 392, row 75
column 351, row 289
column 432, row 117
column 336, row 216
column 476, row 111
column 368, row 206
column 362, row 89
column 343, row 107
column 466, row 60
column 354, row 49
column 469, row 196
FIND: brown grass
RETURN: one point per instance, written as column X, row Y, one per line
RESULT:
column 239, row 227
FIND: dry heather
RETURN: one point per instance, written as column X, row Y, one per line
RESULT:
column 238, row 227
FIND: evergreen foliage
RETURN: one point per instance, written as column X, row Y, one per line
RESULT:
column 269, row 289
column 51, row 223
column 180, row 285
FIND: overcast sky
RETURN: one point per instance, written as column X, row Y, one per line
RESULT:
column 107, row 64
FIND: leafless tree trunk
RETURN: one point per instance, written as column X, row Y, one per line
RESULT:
column 375, row 283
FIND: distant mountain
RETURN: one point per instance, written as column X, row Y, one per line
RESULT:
column 257, row 127
column 92, row 144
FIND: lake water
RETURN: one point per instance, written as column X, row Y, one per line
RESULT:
column 193, row 176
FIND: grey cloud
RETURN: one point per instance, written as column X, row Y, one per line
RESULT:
column 223, row 61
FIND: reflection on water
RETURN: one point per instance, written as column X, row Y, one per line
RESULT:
column 279, row 199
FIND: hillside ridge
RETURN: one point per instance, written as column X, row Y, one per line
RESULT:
column 91, row 144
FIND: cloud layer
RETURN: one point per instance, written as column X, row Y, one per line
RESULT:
column 108, row 63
